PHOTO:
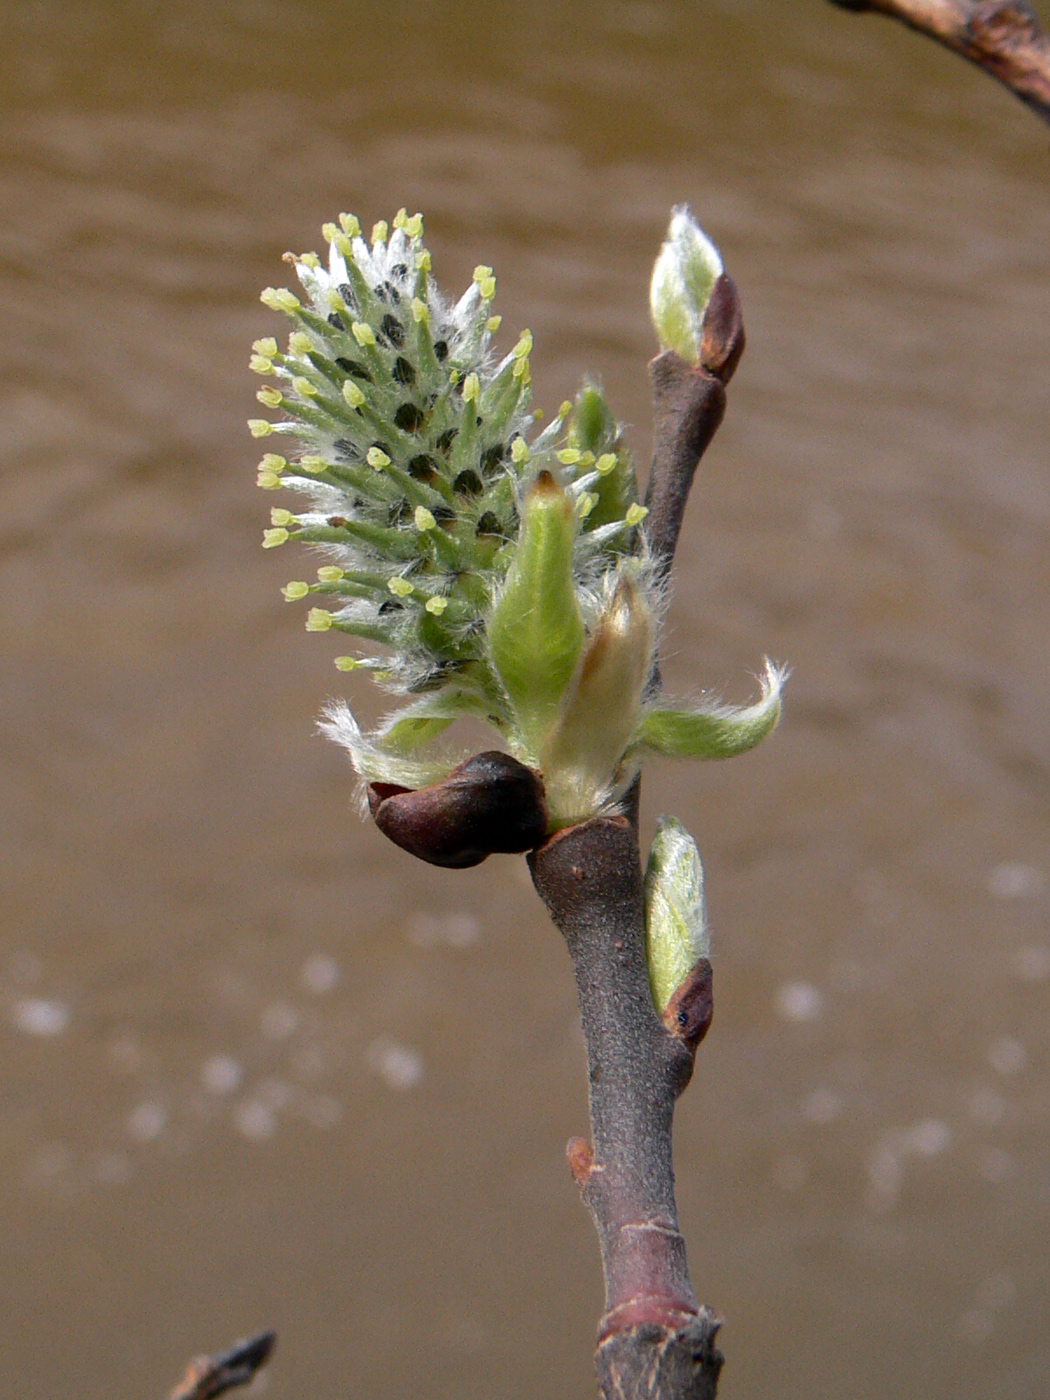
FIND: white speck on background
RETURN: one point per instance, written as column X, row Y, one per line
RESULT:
column 221, row 1074
column 987, row 1108
column 928, row 1138
column 1007, row 1055
column 799, row 1001
column 1032, row 964
column 443, row 930
column 320, row 974
column 823, row 1106
column 255, row 1120
column 278, row 1021
column 147, row 1121
column 399, row 1066
column 36, row 1016
column 1016, row 880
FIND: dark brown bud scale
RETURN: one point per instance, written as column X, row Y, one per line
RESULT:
column 490, row 804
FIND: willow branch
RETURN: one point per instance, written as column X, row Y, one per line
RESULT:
column 655, row 1341
column 1003, row 37
column 209, row 1376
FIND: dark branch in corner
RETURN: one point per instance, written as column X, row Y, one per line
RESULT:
column 209, row 1376
column 1003, row 37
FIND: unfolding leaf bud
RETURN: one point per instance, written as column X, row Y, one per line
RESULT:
column 600, row 712
column 684, row 277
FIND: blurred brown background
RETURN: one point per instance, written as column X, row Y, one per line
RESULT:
column 259, row 1068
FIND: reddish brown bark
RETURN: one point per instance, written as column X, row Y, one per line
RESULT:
column 1003, row 37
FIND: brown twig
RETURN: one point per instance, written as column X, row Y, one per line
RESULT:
column 655, row 1342
column 654, row 1339
column 1003, row 37
column 208, row 1376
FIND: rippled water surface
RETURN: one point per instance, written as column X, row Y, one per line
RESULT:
column 261, row 1069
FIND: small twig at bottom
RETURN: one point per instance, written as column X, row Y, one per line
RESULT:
column 208, row 1376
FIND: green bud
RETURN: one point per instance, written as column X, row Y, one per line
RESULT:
column 719, row 731
column 684, row 276
column 536, row 632
column 600, row 712
column 676, row 933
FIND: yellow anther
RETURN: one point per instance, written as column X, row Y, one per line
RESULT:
column 272, row 398
column 329, row 573
column 636, row 514
column 259, row 427
column 424, row 519
column 272, row 538
column 304, row 387
column 436, row 605
column 350, row 226
column 363, row 333
column 400, row 587
column 279, row 299
column 472, row 388
column 294, row 591
column 267, row 346
column 605, row 463
column 377, row 458
column 259, row 364
column 379, row 232
column 319, row 620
